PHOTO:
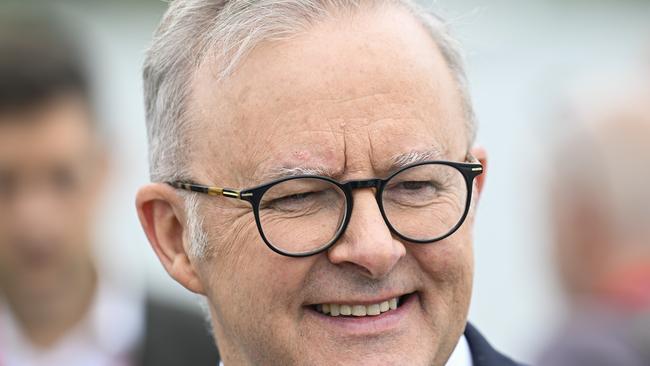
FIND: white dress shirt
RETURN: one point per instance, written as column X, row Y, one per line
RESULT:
column 104, row 337
column 461, row 356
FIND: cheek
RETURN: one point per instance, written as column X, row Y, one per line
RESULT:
column 232, row 236
column 448, row 266
column 255, row 293
column 242, row 268
column 448, row 259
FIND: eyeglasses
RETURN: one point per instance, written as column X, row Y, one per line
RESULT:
column 305, row 215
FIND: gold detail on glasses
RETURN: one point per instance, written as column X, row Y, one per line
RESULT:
column 230, row 193
column 215, row 191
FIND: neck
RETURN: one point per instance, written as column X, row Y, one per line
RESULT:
column 45, row 320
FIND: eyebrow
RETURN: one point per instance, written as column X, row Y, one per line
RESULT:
column 294, row 171
column 398, row 161
column 401, row 160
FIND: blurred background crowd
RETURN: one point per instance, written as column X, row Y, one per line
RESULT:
column 561, row 91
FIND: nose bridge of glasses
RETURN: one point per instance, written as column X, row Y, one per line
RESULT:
column 365, row 183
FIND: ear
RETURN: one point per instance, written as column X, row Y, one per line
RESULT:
column 162, row 215
column 480, row 154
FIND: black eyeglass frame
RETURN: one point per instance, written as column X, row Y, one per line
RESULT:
column 469, row 171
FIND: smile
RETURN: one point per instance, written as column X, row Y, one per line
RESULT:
column 360, row 310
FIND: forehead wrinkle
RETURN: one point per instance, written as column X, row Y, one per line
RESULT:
column 369, row 97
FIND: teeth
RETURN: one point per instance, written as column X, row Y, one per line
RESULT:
column 383, row 307
column 358, row 310
column 334, row 310
column 346, row 310
column 373, row 310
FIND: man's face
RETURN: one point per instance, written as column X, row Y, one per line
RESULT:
column 346, row 97
column 49, row 175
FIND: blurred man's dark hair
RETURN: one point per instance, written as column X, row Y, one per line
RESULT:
column 39, row 60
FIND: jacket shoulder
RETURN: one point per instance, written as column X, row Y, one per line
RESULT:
column 483, row 354
column 176, row 336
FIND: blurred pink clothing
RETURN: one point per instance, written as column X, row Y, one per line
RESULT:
column 614, row 330
column 105, row 337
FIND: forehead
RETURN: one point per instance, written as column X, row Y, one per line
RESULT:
column 57, row 131
column 349, row 94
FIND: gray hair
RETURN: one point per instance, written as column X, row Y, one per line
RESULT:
column 229, row 29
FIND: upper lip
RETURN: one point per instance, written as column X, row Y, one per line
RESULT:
column 365, row 301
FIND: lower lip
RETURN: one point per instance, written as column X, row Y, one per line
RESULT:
column 366, row 325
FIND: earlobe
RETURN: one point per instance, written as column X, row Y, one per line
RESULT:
column 480, row 154
column 162, row 216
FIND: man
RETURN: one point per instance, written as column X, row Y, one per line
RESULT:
column 600, row 214
column 55, row 307
column 312, row 102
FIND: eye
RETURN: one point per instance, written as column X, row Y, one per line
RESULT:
column 413, row 192
column 302, row 195
column 296, row 197
column 292, row 202
column 416, row 185
column 64, row 179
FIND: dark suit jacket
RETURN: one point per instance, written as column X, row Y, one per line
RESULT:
column 175, row 337
column 482, row 353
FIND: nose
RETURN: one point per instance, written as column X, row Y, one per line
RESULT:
column 35, row 212
column 367, row 242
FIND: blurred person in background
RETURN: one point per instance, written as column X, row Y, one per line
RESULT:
column 55, row 307
column 601, row 215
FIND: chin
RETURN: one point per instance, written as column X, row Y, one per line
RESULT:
column 356, row 357
column 373, row 351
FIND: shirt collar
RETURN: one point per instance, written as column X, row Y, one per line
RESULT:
column 462, row 355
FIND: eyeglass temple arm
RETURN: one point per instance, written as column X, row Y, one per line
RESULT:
column 211, row 191
column 472, row 160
